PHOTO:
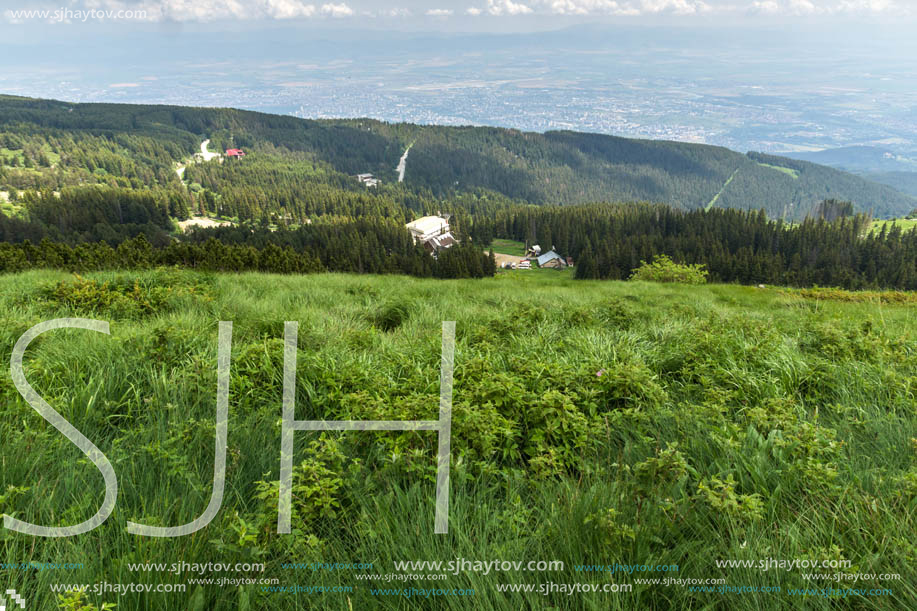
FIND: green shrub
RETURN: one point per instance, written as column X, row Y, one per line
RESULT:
column 663, row 269
column 390, row 316
column 76, row 601
column 122, row 298
column 721, row 496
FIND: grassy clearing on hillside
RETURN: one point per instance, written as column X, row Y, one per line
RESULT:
column 794, row 174
column 905, row 224
column 728, row 423
column 7, row 156
column 508, row 247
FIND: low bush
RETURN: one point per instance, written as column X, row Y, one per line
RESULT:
column 663, row 269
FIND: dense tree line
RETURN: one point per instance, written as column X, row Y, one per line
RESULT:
column 367, row 245
column 96, row 213
column 610, row 241
column 87, row 225
column 355, row 247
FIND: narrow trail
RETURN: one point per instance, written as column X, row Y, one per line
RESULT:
column 402, row 165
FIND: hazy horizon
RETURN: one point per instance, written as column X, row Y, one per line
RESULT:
column 777, row 76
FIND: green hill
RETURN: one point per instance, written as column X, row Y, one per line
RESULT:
column 51, row 144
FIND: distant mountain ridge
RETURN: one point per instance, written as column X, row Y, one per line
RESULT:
column 561, row 167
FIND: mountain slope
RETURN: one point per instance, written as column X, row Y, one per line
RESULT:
column 551, row 168
column 905, row 182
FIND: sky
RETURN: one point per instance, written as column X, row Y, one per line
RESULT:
column 505, row 15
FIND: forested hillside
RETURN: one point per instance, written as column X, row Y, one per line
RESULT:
column 905, row 182
column 49, row 144
column 94, row 187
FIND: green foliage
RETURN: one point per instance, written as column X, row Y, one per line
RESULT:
column 509, row 247
column 663, row 269
column 316, row 486
column 390, row 316
column 76, row 601
column 721, row 496
column 727, row 423
column 89, row 297
column 613, row 533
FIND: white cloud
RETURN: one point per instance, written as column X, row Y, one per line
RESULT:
column 787, row 7
column 872, row 6
column 202, row 10
column 679, row 7
column 625, row 7
column 584, row 7
column 803, row 7
column 396, row 12
column 215, row 10
column 288, row 9
column 337, row 10
column 507, row 7
column 498, row 8
column 836, row 7
column 766, row 6
column 697, row 7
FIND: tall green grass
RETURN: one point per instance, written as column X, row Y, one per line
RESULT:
column 727, row 423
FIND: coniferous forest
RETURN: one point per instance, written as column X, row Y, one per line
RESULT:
column 99, row 186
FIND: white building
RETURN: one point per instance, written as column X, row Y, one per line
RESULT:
column 428, row 227
column 368, row 179
column 433, row 232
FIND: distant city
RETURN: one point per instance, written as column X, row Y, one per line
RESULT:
column 764, row 91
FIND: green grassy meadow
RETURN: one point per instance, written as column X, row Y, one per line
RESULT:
column 794, row 174
column 904, row 224
column 593, row 423
column 508, row 247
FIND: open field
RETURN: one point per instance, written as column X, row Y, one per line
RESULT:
column 508, row 247
column 594, row 423
column 794, row 174
column 905, row 224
